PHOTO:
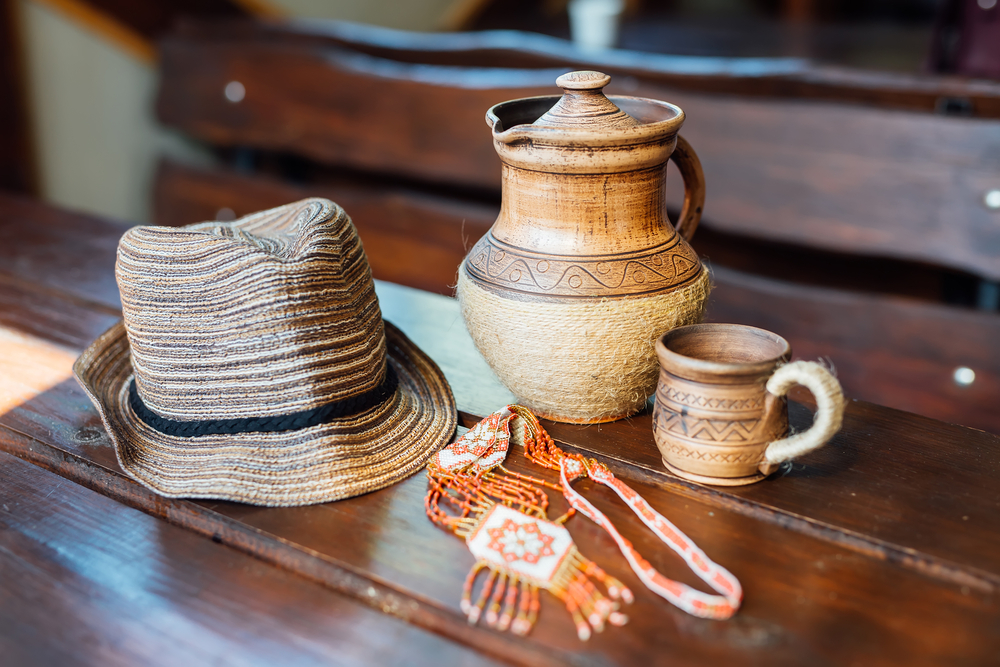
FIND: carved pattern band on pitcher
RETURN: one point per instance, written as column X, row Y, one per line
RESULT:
column 667, row 266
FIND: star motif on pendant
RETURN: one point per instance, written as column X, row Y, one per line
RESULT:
column 520, row 541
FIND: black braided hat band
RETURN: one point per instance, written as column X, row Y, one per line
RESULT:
column 348, row 407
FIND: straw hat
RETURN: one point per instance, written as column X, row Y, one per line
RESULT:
column 253, row 364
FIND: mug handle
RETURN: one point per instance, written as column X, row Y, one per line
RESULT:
column 829, row 411
column 694, row 188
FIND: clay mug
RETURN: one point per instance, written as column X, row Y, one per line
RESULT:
column 721, row 414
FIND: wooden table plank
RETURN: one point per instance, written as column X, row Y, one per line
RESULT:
column 101, row 473
column 802, row 595
column 89, row 581
column 883, row 502
column 893, row 511
column 363, row 537
column 53, row 248
column 52, row 315
column 890, row 572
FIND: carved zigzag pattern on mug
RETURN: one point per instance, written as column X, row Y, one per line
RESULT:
column 697, row 401
column 713, row 430
column 717, row 457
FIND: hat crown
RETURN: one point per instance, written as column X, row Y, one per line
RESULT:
column 268, row 315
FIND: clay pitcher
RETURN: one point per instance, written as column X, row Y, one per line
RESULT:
column 582, row 271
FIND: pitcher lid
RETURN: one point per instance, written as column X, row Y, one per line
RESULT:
column 583, row 104
column 616, row 133
column 585, row 112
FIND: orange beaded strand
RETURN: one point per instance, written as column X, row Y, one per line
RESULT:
column 502, row 515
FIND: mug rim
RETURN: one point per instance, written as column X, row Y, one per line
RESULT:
column 703, row 369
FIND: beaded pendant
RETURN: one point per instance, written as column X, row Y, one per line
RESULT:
column 502, row 515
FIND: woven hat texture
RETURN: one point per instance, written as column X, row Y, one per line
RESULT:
column 252, row 364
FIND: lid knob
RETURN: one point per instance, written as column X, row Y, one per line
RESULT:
column 584, row 80
column 584, row 105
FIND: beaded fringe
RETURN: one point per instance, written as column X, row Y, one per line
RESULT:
column 504, row 591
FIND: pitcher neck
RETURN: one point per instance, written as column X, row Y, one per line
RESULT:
column 584, row 214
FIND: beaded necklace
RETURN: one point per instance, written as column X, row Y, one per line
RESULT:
column 502, row 515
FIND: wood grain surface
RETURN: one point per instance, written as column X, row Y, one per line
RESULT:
column 54, row 249
column 766, row 77
column 849, row 178
column 880, row 547
column 87, row 580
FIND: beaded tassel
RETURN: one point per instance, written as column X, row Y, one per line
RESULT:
column 522, row 553
column 502, row 517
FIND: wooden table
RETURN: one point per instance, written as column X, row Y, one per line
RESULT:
column 882, row 548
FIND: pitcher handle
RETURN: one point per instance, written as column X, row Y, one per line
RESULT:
column 829, row 410
column 694, row 188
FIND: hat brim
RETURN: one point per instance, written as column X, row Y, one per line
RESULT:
column 340, row 459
